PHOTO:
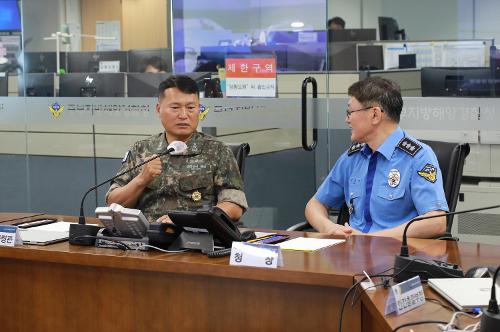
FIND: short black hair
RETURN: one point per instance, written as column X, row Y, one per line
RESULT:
column 337, row 20
column 156, row 62
column 182, row 82
column 381, row 91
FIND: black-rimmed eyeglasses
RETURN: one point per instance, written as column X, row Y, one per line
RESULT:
column 348, row 113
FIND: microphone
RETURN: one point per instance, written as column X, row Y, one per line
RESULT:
column 83, row 234
column 406, row 266
column 490, row 322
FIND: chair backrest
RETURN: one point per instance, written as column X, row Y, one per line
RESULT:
column 240, row 152
column 451, row 158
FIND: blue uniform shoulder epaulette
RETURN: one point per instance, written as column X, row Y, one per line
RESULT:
column 409, row 146
column 355, row 147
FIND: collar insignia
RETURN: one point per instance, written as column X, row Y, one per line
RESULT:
column 409, row 146
column 355, row 147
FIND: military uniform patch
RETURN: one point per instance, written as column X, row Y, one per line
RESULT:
column 429, row 172
column 355, row 147
column 409, row 146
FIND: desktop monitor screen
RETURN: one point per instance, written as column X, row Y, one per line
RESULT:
column 4, row 89
column 36, row 85
column 370, row 57
column 389, row 30
column 10, row 20
column 144, row 84
column 92, row 85
column 212, row 57
column 43, row 62
column 88, row 62
column 140, row 58
column 352, row 35
column 456, row 82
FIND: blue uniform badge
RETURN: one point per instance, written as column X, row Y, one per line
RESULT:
column 429, row 173
column 125, row 158
column 394, row 178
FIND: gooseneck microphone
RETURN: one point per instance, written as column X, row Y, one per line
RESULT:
column 490, row 322
column 83, row 234
column 406, row 266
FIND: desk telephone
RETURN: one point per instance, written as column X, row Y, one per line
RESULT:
column 215, row 221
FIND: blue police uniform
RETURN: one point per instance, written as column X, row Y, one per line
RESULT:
column 400, row 181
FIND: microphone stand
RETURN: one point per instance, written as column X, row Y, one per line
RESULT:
column 406, row 266
column 84, row 234
column 490, row 322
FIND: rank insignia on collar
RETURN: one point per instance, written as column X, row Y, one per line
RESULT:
column 409, row 146
column 355, row 147
column 429, row 172
column 196, row 196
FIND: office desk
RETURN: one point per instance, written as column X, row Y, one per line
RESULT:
column 465, row 254
column 64, row 287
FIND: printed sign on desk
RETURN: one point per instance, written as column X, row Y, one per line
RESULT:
column 253, row 254
column 405, row 296
column 251, row 77
column 9, row 236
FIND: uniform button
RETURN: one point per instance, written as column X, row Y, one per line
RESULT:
column 390, row 196
column 351, row 194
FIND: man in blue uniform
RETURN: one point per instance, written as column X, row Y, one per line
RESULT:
column 386, row 177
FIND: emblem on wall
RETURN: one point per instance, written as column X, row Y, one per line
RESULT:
column 56, row 109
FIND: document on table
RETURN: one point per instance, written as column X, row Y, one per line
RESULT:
column 308, row 244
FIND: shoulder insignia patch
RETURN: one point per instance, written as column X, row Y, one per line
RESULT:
column 409, row 146
column 125, row 157
column 355, row 147
column 429, row 172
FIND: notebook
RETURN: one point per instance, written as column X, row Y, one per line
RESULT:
column 464, row 293
column 45, row 234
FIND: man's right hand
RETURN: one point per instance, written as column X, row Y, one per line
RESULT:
column 336, row 229
column 150, row 170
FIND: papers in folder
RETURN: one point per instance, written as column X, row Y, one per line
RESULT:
column 308, row 244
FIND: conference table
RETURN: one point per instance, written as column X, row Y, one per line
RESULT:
column 63, row 287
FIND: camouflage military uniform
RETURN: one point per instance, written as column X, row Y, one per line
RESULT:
column 204, row 175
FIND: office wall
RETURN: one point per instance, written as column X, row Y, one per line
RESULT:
column 98, row 10
column 147, row 30
column 40, row 19
column 487, row 17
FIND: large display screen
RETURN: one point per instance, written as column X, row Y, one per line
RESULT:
column 10, row 20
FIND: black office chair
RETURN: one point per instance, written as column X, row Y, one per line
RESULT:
column 451, row 158
column 240, row 151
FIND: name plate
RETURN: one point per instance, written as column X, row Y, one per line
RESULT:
column 9, row 236
column 405, row 296
column 253, row 254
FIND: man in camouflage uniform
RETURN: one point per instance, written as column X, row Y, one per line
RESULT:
column 204, row 175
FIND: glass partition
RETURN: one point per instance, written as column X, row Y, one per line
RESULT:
column 81, row 89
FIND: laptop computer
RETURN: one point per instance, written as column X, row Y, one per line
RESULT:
column 464, row 293
column 45, row 234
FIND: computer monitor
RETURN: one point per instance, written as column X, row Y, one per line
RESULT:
column 144, row 84
column 279, row 51
column 37, row 85
column 4, row 86
column 212, row 57
column 457, row 82
column 352, row 35
column 280, row 37
column 88, row 62
column 10, row 20
column 138, row 59
column 388, row 29
column 43, row 62
column 370, row 57
column 495, row 68
column 92, row 85
column 306, row 56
